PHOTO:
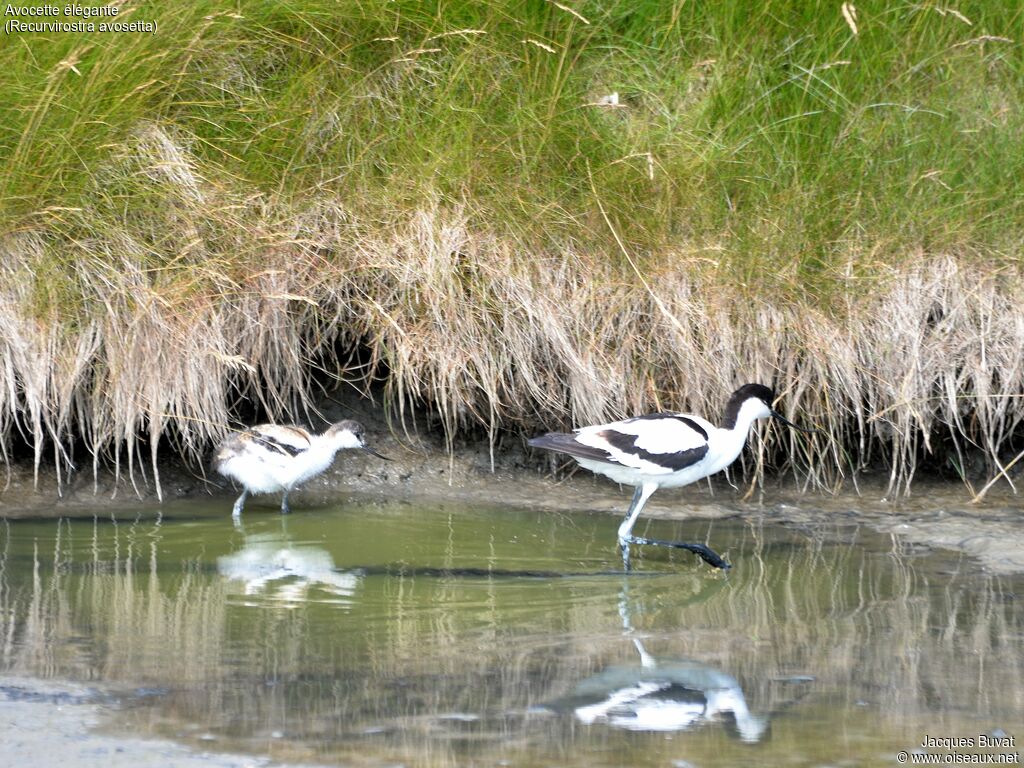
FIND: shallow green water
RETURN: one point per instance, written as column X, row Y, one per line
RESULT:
column 377, row 635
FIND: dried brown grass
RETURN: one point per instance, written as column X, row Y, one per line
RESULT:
column 120, row 331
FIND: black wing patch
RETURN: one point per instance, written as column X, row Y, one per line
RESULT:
column 678, row 417
column 565, row 442
column 694, row 426
column 674, row 461
column 274, row 445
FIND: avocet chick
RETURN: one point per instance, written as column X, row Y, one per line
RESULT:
column 269, row 457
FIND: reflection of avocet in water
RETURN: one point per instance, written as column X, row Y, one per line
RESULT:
column 270, row 566
column 666, row 696
column 663, row 695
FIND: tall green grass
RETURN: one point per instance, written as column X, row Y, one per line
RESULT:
column 768, row 135
column 448, row 185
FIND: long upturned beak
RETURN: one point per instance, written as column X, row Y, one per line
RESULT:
column 370, row 450
column 787, row 422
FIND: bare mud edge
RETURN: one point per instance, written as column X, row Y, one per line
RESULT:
column 51, row 723
column 937, row 514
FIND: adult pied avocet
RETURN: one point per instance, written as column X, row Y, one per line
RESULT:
column 269, row 457
column 665, row 450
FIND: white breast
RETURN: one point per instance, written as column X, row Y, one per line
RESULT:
column 308, row 463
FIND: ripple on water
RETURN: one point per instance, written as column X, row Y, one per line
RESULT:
column 443, row 635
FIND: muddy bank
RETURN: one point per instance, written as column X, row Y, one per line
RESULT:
column 936, row 514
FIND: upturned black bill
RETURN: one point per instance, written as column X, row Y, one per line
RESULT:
column 787, row 422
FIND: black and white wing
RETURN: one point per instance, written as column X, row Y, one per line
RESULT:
column 266, row 443
column 274, row 438
column 658, row 443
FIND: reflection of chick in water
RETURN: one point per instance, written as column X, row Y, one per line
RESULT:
column 269, row 564
column 665, row 696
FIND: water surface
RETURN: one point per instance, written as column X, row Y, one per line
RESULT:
column 384, row 634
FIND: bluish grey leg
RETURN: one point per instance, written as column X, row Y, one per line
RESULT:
column 626, row 537
column 640, row 497
column 236, row 511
